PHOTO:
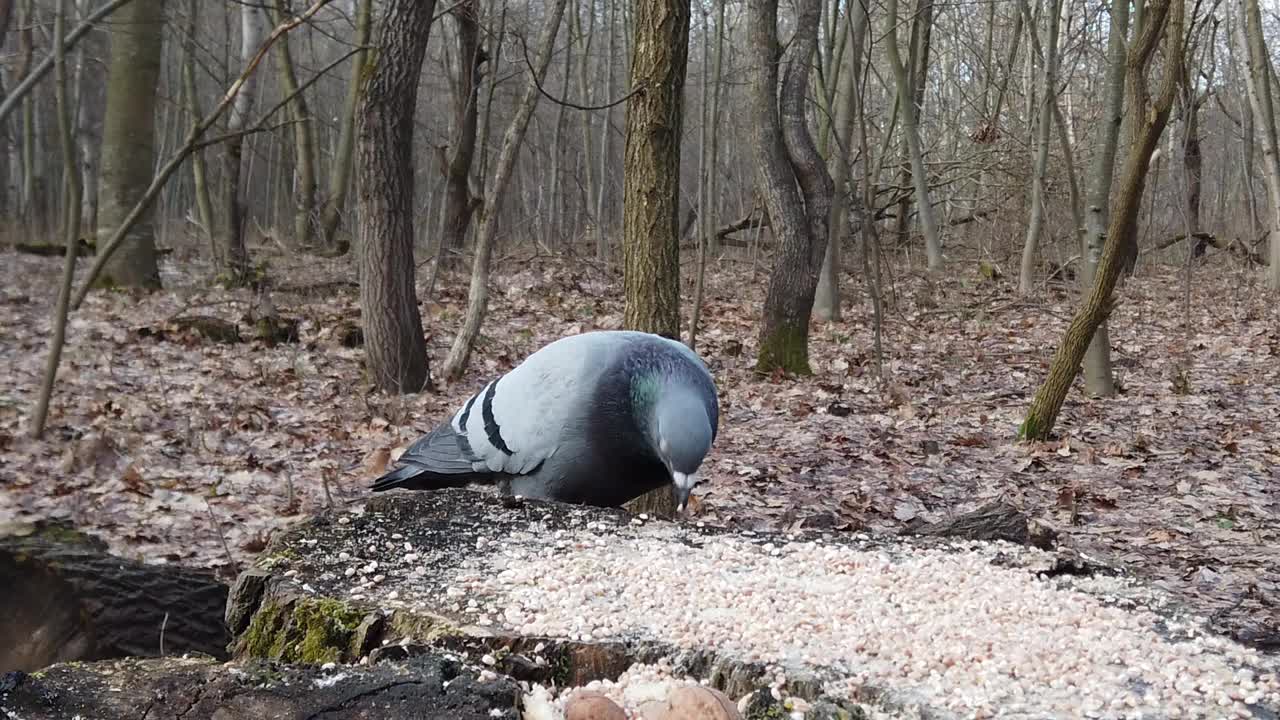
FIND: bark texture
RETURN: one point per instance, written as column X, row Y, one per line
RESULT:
column 1164, row 19
column 395, row 350
column 235, row 253
column 460, row 203
column 1048, row 100
column 911, row 135
column 305, row 218
column 793, row 180
column 1258, row 80
column 651, row 185
column 128, row 142
column 63, row 598
column 340, row 172
column 1098, row 379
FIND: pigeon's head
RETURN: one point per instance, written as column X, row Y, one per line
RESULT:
column 681, row 435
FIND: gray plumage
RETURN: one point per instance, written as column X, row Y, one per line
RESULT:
column 597, row 419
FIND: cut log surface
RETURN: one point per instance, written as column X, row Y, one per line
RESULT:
column 427, row 686
column 63, row 597
column 564, row 595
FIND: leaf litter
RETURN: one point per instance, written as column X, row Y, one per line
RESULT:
column 177, row 448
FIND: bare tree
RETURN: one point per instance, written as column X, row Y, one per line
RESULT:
column 911, row 135
column 1164, row 19
column 1048, row 100
column 478, row 296
column 460, row 201
column 826, row 305
column 70, row 219
column 305, row 217
column 1097, row 360
column 340, row 171
column 1258, row 79
column 651, row 182
column 235, row 260
column 793, row 180
column 129, row 143
column 395, row 349
column 191, row 96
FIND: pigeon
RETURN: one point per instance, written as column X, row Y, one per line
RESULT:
column 598, row 419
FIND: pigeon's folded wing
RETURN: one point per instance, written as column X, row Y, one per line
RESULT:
column 520, row 420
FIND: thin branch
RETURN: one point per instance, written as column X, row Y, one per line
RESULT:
column 524, row 49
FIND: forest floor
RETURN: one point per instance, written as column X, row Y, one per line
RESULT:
column 177, row 449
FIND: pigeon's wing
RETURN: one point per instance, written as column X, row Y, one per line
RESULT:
column 439, row 459
column 517, row 422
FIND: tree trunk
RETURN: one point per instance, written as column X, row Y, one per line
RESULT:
column 191, row 93
column 235, row 253
column 1163, row 18
column 793, row 180
column 478, row 295
column 651, row 177
column 603, row 223
column 129, row 143
column 827, row 297
column 340, row 171
column 1035, row 223
column 90, row 102
column 911, row 133
column 70, row 224
column 304, row 144
column 1192, row 158
column 1098, row 380
column 395, row 350
column 1258, row 79
column 460, row 203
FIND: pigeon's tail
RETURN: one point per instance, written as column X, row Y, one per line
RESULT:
column 441, row 459
column 415, row 477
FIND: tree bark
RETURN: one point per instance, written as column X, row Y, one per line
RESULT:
column 478, row 296
column 651, row 184
column 1164, row 18
column 1048, row 100
column 90, row 101
column 340, row 171
column 911, row 133
column 395, row 350
column 460, row 203
column 63, row 598
column 191, row 93
column 1098, row 379
column 793, row 180
column 827, row 297
column 305, row 219
column 235, row 253
column 1258, row 80
column 70, row 222
column 129, row 143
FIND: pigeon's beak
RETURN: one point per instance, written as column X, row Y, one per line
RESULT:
column 681, row 487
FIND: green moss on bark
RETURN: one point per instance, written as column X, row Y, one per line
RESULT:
column 307, row 631
column 785, row 348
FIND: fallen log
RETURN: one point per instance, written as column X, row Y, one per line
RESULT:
column 993, row 521
column 176, row 688
column 64, row 598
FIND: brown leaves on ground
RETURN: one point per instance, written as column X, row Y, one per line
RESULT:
column 179, row 449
